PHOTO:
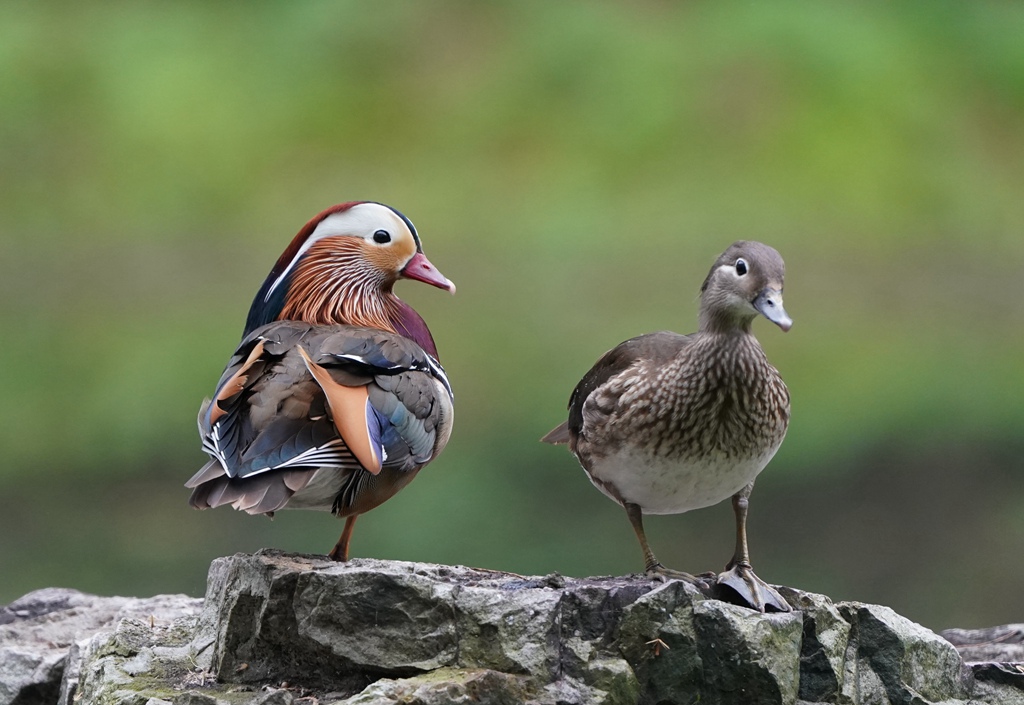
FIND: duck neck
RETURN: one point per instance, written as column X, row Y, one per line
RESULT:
column 723, row 323
column 317, row 295
column 411, row 325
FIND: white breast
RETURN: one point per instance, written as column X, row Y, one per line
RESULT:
column 662, row 485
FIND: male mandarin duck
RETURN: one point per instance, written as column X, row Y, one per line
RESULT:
column 665, row 423
column 335, row 398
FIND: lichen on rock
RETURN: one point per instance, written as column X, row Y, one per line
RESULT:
column 278, row 629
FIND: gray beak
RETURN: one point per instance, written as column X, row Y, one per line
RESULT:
column 769, row 304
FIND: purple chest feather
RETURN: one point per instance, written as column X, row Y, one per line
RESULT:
column 408, row 323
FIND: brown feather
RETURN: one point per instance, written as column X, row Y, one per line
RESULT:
column 210, row 471
column 276, row 496
column 296, row 480
column 348, row 410
column 259, row 494
column 234, row 385
column 319, row 295
column 220, row 491
column 557, row 436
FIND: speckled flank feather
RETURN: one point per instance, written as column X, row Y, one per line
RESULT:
column 695, row 432
column 701, row 400
column 715, row 396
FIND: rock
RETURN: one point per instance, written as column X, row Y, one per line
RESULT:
column 279, row 629
column 41, row 629
column 891, row 659
column 995, row 656
column 447, row 686
column 824, row 640
column 998, row 644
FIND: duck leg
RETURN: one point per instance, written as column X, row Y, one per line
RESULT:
column 340, row 550
column 739, row 575
column 652, row 566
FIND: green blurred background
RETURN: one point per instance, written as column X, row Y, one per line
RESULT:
column 574, row 167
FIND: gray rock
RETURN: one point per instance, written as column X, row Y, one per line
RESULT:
column 448, row 686
column 1003, row 644
column 278, row 629
column 995, row 656
column 40, row 630
column 824, row 642
column 659, row 641
column 893, row 660
column 748, row 657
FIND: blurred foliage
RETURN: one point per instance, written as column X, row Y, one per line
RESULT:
column 574, row 167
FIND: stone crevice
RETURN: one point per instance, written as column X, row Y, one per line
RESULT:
column 448, row 635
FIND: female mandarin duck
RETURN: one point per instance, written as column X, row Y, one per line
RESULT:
column 665, row 423
column 334, row 399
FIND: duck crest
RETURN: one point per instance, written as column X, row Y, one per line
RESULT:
column 270, row 299
column 334, row 399
column 331, row 282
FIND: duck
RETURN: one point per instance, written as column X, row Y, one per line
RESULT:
column 666, row 423
column 335, row 397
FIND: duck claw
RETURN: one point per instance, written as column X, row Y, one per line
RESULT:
column 751, row 590
column 663, row 574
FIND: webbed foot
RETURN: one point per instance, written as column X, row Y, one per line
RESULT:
column 660, row 572
column 751, row 590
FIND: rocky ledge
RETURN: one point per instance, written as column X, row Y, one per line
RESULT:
column 277, row 629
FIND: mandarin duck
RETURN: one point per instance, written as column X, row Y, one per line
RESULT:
column 665, row 423
column 335, row 398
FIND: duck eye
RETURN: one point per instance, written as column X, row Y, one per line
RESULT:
column 741, row 266
column 382, row 236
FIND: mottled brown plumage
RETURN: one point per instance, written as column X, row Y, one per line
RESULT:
column 665, row 423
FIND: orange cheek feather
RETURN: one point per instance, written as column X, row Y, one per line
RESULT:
column 390, row 259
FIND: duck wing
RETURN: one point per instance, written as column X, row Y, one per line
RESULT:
column 654, row 348
column 296, row 397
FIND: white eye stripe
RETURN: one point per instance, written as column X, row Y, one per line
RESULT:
column 363, row 217
column 734, row 270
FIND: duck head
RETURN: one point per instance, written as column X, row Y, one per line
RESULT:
column 341, row 268
column 745, row 280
